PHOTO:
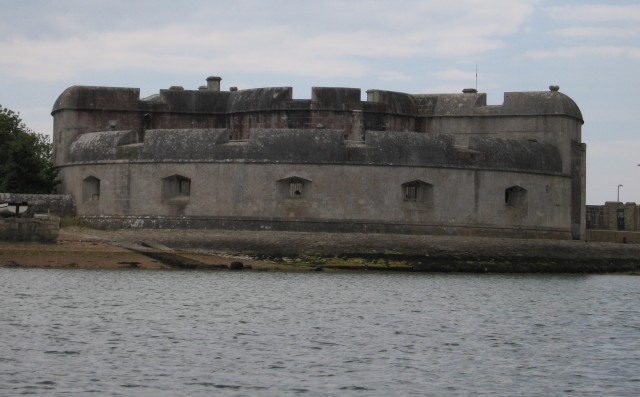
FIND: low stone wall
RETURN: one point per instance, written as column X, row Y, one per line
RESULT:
column 613, row 236
column 39, row 229
column 58, row 204
column 315, row 226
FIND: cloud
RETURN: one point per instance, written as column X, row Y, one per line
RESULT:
column 456, row 74
column 330, row 39
column 40, row 120
column 619, row 148
column 612, row 163
column 392, row 75
column 173, row 50
column 597, row 32
column 596, row 13
column 573, row 52
column 612, row 31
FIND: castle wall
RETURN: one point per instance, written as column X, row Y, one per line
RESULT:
column 463, row 198
column 398, row 162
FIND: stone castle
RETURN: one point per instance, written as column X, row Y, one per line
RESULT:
column 259, row 159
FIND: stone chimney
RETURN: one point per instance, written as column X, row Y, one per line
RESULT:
column 213, row 83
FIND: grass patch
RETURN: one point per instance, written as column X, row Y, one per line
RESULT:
column 70, row 221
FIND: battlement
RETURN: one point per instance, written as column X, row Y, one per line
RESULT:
column 206, row 101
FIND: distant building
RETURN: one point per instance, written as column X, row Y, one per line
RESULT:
column 614, row 216
column 259, row 159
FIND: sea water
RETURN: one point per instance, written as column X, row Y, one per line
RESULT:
column 170, row 333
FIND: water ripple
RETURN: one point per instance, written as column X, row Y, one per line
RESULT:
column 319, row 334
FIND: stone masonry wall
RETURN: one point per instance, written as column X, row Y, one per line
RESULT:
column 605, row 217
column 40, row 229
column 59, row 204
column 238, row 156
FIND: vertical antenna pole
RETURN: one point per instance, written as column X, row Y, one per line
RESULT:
column 476, row 77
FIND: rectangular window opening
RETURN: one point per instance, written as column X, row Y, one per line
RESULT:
column 411, row 193
column 295, row 189
column 184, row 188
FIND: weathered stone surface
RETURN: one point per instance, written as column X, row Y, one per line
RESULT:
column 203, row 158
column 517, row 155
column 56, row 204
column 96, row 146
column 42, row 229
column 183, row 144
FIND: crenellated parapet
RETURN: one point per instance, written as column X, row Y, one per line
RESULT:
column 81, row 109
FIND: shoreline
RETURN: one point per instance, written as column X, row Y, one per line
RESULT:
column 86, row 248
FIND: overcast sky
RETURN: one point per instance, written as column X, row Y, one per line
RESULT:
column 591, row 49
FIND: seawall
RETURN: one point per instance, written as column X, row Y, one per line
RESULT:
column 614, row 236
column 40, row 229
column 386, row 252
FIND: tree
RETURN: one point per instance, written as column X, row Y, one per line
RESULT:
column 25, row 157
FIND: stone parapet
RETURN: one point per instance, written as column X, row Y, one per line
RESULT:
column 58, row 204
column 39, row 229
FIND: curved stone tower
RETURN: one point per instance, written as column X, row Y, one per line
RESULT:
column 258, row 159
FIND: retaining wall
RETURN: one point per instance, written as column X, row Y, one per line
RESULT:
column 39, row 229
column 613, row 236
column 58, row 204
column 316, row 226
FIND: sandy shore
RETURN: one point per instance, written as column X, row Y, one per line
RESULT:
column 269, row 250
column 92, row 249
